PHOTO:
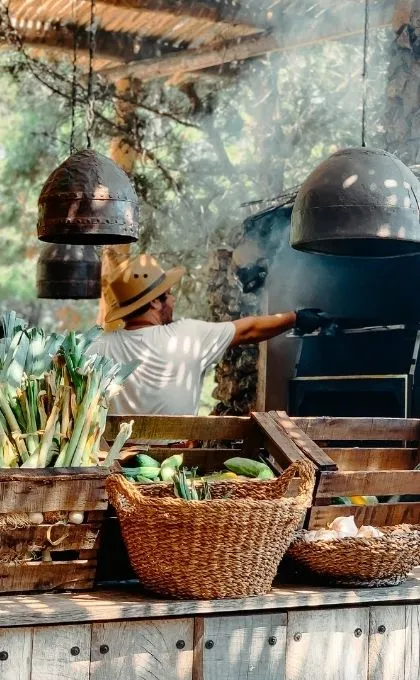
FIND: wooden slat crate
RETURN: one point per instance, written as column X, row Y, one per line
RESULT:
column 221, row 437
column 353, row 468
column 73, row 548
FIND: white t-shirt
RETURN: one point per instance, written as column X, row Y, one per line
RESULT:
column 173, row 359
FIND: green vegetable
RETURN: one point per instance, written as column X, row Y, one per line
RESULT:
column 248, row 467
column 174, row 461
column 149, row 472
column 144, row 460
column 266, row 474
column 167, row 473
column 54, row 397
column 341, row 500
column 143, row 480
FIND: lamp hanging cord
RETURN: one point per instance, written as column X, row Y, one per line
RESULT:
column 90, row 112
column 73, row 92
column 364, row 71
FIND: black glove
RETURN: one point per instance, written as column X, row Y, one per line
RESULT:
column 309, row 320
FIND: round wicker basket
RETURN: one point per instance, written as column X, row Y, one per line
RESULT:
column 365, row 562
column 229, row 546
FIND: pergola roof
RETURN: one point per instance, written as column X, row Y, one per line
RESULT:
column 133, row 30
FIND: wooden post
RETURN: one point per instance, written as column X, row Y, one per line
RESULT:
column 125, row 155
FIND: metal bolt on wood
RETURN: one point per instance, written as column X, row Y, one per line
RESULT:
column 180, row 644
column 358, row 632
column 297, row 637
column 104, row 649
column 75, row 651
column 272, row 640
column 209, row 644
column 4, row 656
column 381, row 629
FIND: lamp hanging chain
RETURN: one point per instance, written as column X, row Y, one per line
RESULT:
column 90, row 112
column 73, row 91
column 364, row 71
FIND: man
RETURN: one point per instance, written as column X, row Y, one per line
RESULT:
column 174, row 356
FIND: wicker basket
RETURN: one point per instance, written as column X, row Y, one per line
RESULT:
column 224, row 547
column 361, row 562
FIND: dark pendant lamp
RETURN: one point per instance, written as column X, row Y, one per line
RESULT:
column 360, row 202
column 88, row 199
column 68, row 272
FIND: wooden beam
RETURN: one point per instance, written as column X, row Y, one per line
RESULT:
column 194, row 60
column 112, row 45
column 182, row 427
column 230, row 11
column 359, row 429
column 234, row 50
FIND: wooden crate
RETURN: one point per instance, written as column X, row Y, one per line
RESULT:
column 221, row 437
column 74, row 555
column 348, row 464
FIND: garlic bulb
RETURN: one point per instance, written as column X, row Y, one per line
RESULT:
column 36, row 517
column 325, row 535
column 345, row 525
column 369, row 532
column 76, row 517
column 310, row 536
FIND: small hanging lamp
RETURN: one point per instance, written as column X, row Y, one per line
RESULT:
column 68, row 272
column 88, row 199
column 359, row 202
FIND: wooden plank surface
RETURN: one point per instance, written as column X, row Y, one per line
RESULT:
column 412, row 643
column 276, row 441
column 53, row 494
column 51, row 653
column 387, row 429
column 241, row 647
column 68, row 537
column 387, row 643
column 374, row 459
column 131, row 603
column 181, row 427
column 319, row 457
column 324, row 646
column 368, row 483
column 17, row 643
column 383, row 514
column 72, row 575
column 143, row 649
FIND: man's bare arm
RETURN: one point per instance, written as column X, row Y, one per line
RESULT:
column 259, row 328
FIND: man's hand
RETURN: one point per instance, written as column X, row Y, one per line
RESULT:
column 309, row 320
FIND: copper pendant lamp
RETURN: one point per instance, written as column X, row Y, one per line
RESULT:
column 69, row 272
column 359, row 202
column 88, row 199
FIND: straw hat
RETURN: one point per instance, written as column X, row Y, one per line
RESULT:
column 136, row 282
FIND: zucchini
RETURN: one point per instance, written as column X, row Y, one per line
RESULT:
column 167, row 473
column 247, row 467
column 149, row 472
column 266, row 474
column 143, row 460
column 143, row 480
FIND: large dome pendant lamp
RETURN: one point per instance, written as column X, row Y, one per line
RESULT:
column 359, row 202
column 88, row 199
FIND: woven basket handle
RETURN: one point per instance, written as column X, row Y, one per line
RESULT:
column 119, row 490
column 306, row 473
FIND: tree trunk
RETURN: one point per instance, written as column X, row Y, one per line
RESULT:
column 402, row 113
column 122, row 153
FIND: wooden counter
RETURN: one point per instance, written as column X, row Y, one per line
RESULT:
column 294, row 633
